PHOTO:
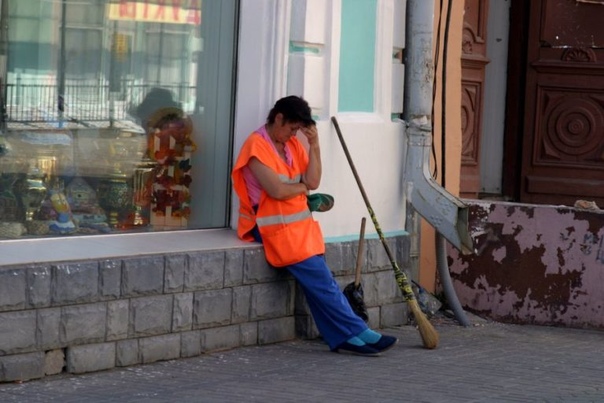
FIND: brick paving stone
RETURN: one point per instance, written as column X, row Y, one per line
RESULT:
column 488, row 362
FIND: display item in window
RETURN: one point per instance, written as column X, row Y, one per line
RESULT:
column 115, row 197
column 32, row 192
column 86, row 211
column 4, row 146
column 37, row 227
column 9, row 204
column 62, row 224
column 12, row 230
column 142, row 192
column 171, row 145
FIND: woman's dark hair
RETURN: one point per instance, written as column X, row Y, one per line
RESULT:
column 294, row 109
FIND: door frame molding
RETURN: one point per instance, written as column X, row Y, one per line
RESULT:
column 515, row 99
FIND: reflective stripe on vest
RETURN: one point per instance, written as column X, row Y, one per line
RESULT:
column 286, row 179
column 282, row 219
column 246, row 216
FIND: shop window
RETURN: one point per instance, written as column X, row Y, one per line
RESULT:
column 115, row 115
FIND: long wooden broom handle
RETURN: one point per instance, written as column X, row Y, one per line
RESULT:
column 426, row 330
column 357, row 278
column 401, row 277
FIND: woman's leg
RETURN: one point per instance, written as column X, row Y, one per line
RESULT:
column 332, row 313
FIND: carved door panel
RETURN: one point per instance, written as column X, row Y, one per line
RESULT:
column 563, row 142
column 473, row 63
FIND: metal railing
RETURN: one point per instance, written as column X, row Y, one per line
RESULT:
column 83, row 101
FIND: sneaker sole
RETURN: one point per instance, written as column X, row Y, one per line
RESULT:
column 389, row 347
column 349, row 352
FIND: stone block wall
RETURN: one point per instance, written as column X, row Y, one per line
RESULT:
column 86, row 316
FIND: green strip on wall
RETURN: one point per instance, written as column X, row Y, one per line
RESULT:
column 297, row 48
column 357, row 55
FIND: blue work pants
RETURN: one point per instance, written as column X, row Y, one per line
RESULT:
column 330, row 309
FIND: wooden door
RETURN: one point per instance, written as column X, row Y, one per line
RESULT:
column 563, row 131
column 473, row 64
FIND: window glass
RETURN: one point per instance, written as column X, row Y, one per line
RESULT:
column 357, row 56
column 115, row 115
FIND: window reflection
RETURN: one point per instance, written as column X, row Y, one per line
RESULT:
column 96, row 115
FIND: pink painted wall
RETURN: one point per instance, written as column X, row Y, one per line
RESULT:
column 535, row 264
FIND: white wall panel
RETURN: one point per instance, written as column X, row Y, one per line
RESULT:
column 299, row 42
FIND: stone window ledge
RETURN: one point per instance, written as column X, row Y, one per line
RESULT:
column 27, row 251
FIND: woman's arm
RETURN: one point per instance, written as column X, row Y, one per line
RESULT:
column 272, row 185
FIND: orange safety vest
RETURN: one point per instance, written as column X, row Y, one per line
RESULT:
column 289, row 232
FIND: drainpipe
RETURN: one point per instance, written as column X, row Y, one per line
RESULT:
column 424, row 196
column 3, row 65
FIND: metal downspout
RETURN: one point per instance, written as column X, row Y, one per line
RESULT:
column 446, row 213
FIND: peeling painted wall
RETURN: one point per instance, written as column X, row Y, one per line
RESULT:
column 534, row 264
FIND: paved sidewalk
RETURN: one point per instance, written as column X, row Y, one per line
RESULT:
column 488, row 362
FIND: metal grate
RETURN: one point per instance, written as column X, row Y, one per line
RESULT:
column 84, row 102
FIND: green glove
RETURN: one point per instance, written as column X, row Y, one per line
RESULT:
column 320, row 202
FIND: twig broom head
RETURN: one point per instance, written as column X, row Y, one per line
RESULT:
column 426, row 330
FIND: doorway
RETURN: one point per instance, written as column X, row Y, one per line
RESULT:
column 554, row 145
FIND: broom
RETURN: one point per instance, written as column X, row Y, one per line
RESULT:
column 354, row 291
column 426, row 330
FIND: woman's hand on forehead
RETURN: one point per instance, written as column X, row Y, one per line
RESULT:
column 311, row 133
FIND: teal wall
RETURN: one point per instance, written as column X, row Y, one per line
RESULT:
column 357, row 56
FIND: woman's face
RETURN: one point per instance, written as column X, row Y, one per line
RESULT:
column 283, row 131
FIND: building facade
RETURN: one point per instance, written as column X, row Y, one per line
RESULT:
column 120, row 121
column 132, row 117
